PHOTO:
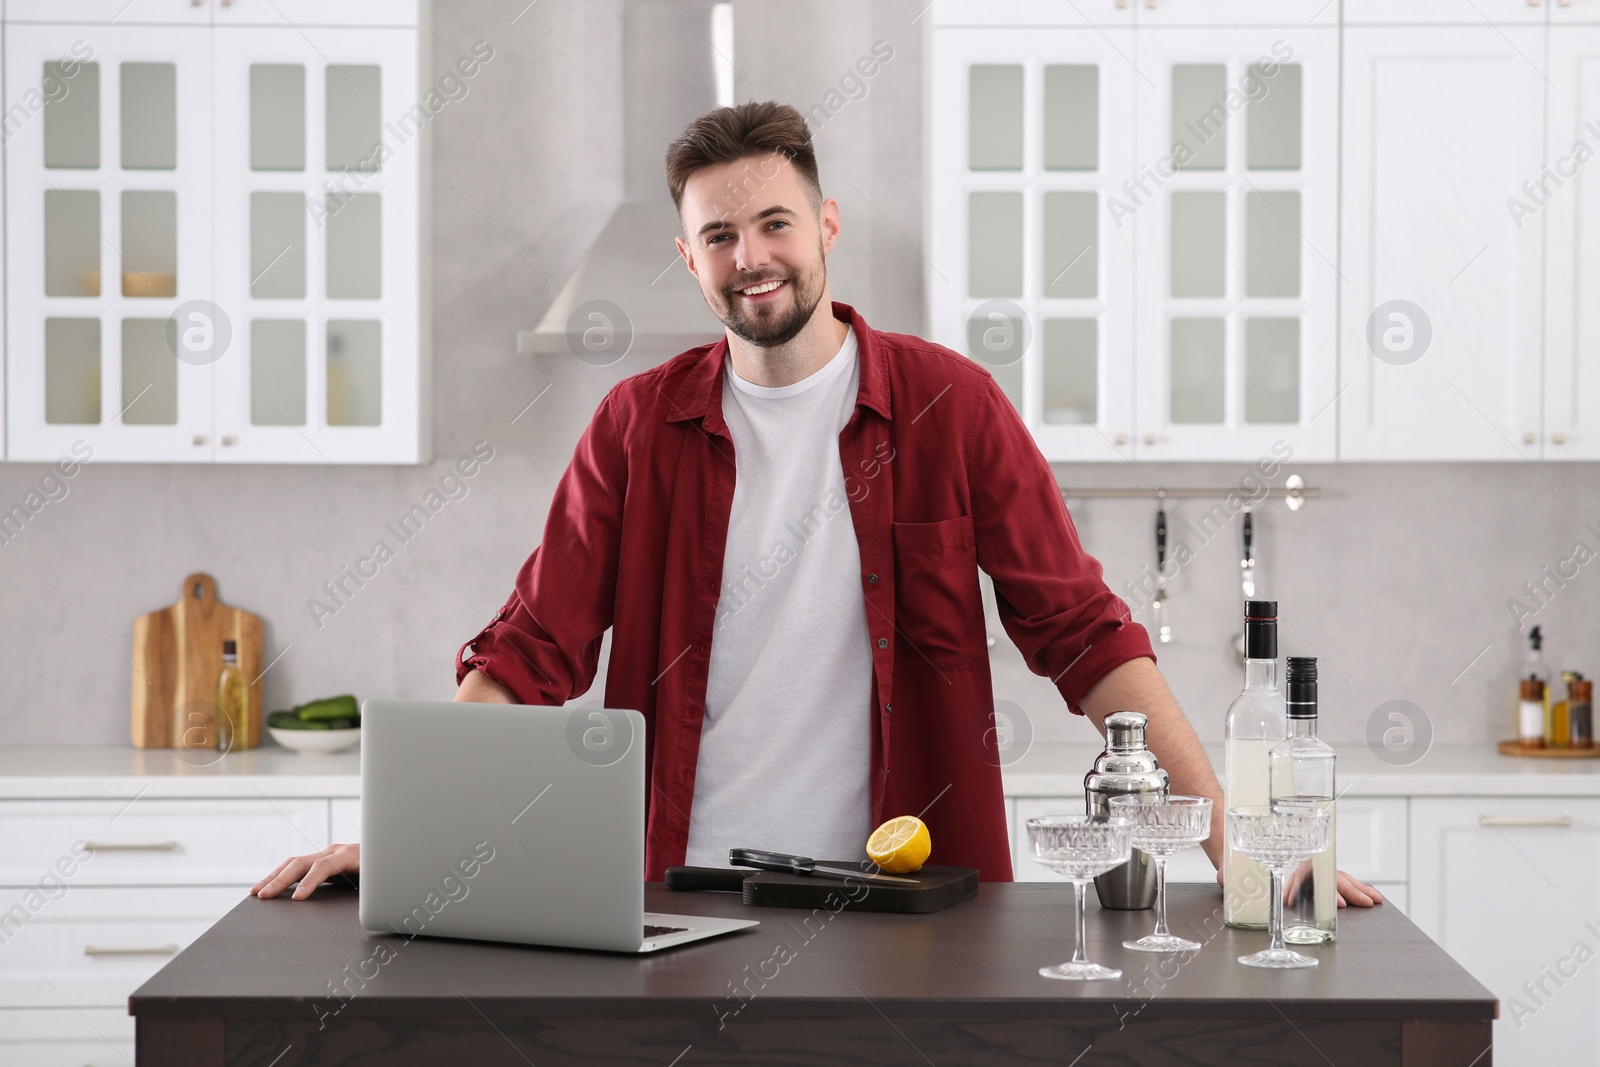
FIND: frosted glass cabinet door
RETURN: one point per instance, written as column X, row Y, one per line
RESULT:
column 1572, row 314
column 109, row 204
column 1233, row 203
column 320, row 141
column 1028, row 273
column 1441, row 298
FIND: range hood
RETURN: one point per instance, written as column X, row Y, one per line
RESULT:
column 671, row 73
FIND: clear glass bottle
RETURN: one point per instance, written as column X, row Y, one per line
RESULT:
column 1302, row 772
column 1255, row 723
column 233, row 701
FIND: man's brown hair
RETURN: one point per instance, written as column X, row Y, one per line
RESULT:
column 729, row 134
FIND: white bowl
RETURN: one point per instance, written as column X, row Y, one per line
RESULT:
column 325, row 741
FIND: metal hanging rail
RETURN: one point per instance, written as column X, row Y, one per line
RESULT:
column 1294, row 492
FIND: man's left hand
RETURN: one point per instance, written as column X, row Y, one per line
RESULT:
column 1356, row 892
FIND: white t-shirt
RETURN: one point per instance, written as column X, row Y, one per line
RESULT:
column 785, row 748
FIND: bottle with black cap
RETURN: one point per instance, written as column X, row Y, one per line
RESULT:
column 1255, row 724
column 1302, row 773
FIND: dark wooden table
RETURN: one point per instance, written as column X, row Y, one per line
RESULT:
column 287, row 983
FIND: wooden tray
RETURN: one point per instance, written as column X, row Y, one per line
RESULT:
column 937, row 888
column 1514, row 748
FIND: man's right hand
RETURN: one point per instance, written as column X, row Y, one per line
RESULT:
column 310, row 871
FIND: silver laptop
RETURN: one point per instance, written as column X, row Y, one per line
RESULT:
column 510, row 823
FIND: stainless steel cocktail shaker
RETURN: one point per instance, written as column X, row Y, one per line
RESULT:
column 1126, row 766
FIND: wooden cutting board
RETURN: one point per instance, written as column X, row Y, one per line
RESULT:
column 177, row 657
column 938, row 887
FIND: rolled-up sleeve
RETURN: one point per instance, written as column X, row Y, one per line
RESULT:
column 544, row 643
column 1053, row 601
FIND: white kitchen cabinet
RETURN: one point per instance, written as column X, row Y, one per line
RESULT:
column 95, row 945
column 282, row 13
column 1028, row 274
column 64, row 1037
column 318, row 257
column 1052, row 233
column 1564, row 200
column 344, row 821
column 1235, row 208
column 1446, row 12
column 1290, row 14
column 136, row 13
column 302, row 14
column 108, row 194
column 1575, row 12
column 1441, row 127
column 156, row 841
column 1511, row 889
column 223, row 229
column 1030, row 13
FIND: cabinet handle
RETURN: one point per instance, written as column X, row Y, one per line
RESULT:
column 228, row 440
column 1149, row 438
column 1559, row 438
column 131, row 846
column 199, row 439
column 1529, row 438
column 1121, row 439
column 1532, row 820
column 132, row 950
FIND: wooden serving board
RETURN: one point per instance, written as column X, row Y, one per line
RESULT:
column 1514, row 748
column 177, row 657
column 938, row 887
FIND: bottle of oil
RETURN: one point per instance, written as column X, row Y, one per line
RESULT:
column 233, row 701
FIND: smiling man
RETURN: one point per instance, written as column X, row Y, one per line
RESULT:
column 783, row 531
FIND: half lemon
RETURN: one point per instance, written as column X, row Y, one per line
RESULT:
column 900, row 845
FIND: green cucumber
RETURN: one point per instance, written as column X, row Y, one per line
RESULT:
column 339, row 707
column 287, row 720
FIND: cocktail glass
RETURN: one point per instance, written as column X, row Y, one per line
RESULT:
column 1278, row 836
column 1078, row 847
column 1163, row 826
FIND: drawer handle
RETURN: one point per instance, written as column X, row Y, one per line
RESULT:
column 131, row 846
column 1513, row 820
column 137, row 950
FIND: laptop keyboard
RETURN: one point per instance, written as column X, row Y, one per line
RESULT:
column 657, row 931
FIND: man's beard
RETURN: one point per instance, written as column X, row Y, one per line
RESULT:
column 772, row 329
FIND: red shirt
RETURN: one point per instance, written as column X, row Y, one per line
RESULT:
column 942, row 478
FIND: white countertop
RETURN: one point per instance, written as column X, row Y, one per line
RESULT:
column 1044, row 771
column 1445, row 771
column 56, row 772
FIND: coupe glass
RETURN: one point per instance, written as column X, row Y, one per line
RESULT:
column 1163, row 826
column 1078, row 847
column 1279, row 837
